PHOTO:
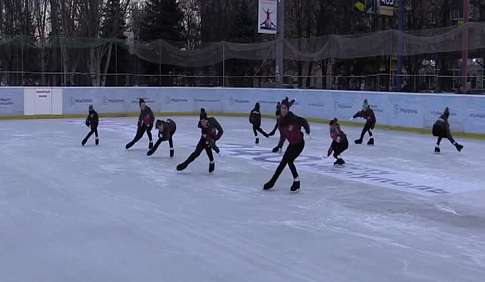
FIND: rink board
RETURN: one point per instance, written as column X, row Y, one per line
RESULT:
column 392, row 109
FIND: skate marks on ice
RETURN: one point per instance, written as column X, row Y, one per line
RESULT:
column 383, row 177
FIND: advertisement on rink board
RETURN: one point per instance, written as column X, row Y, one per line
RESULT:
column 210, row 100
column 474, row 117
column 77, row 100
column 12, row 102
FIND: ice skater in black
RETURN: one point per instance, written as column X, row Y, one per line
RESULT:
column 441, row 129
column 290, row 126
column 92, row 122
column 211, row 131
column 281, row 142
column 339, row 142
column 368, row 114
column 255, row 120
column 166, row 130
column 145, row 124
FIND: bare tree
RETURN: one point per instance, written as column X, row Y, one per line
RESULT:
column 191, row 22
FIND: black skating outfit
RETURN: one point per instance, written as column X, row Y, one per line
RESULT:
column 92, row 121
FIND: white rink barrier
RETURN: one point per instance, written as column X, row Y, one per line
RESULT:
column 392, row 109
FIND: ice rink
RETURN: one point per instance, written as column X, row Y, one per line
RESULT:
column 396, row 212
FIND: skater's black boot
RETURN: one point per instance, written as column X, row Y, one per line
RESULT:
column 276, row 149
column 371, row 142
column 269, row 185
column 459, row 147
column 172, row 152
column 212, row 167
column 150, row 145
column 257, row 140
column 358, row 141
column 182, row 166
column 296, row 186
column 84, row 142
column 437, row 149
column 216, row 149
column 97, row 141
column 339, row 162
column 129, row 145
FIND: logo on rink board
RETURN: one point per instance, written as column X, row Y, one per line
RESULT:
column 6, row 102
column 400, row 110
column 358, row 173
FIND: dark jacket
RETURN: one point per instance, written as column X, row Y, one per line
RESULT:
column 291, row 126
column 368, row 115
column 441, row 127
column 336, row 133
column 255, row 118
column 146, row 117
column 169, row 128
column 213, row 132
column 93, row 119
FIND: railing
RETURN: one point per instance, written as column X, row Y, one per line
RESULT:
column 371, row 82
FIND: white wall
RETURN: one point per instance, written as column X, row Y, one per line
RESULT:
column 43, row 101
column 395, row 109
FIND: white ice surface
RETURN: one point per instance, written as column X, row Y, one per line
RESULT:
column 69, row 213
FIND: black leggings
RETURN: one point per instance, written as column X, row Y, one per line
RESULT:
column 449, row 137
column 139, row 134
column 367, row 128
column 94, row 130
column 201, row 146
column 339, row 148
column 159, row 141
column 292, row 152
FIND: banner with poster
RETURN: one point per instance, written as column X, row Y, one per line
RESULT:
column 268, row 16
column 386, row 7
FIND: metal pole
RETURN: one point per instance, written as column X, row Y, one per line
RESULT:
column 400, row 46
column 116, row 64
column 465, row 43
column 22, row 61
column 223, row 65
column 160, row 66
column 280, row 68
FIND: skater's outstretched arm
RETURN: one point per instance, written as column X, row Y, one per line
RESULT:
column 274, row 129
column 304, row 123
column 260, row 130
column 155, row 147
column 359, row 114
column 331, row 149
column 218, row 127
